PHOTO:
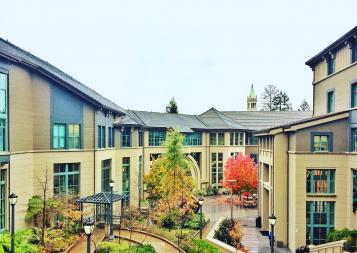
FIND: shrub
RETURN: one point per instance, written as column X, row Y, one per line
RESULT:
column 201, row 246
column 223, row 231
column 112, row 247
column 236, row 235
column 146, row 248
column 194, row 223
column 22, row 242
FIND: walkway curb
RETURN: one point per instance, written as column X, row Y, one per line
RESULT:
column 156, row 236
column 218, row 243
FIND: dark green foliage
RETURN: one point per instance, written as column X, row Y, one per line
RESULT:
column 22, row 242
column 146, row 248
column 170, row 219
column 343, row 234
column 172, row 107
column 222, row 233
column 194, row 223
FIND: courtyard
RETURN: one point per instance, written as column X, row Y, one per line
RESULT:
column 219, row 206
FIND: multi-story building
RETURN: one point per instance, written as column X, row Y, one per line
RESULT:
column 308, row 168
column 51, row 124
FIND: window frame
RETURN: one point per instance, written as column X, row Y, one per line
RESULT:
column 157, row 138
column 74, row 137
column 54, row 125
column 330, row 106
column 66, row 174
column 329, row 142
column 126, row 137
column 353, row 95
column 313, row 183
column 353, row 139
column 354, row 190
column 140, row 138
column 217, row 169
column 106, row 170
column 331, row 65
column 3, row 199
column 126, row 177
column 5, row 116
column 193, row 139
column 311, row 216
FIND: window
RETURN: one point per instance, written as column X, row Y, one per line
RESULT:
column 320, row 220
column 330, row 101
column 126, row 180
column 354, row 190
column 111, row 137
column 157, row 138
column 320, row 181
column 234, row 154
column 140, row 177
column 216, row 168
column 241, row 139
column 213, row 139
column 74, row 136
column 3, row 112
column 59, row 136
column 354, row 139
column 221, row 139
column 3, row 135
column 322, row 142
column 106, row 174
column 193, row 139
column 66, row 179
column 2, row 199
column 354, row 52
column 251, row 139
column 233, row 139
column 354, row 95
column 331, row 65
column 101, row 136
column 126, row 137
column 140, row 138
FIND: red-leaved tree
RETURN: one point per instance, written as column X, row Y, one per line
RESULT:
column 244, row 171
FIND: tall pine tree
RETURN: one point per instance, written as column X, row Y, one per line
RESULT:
column 172, row 106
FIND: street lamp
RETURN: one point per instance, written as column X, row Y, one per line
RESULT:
column 88, row 226
column 272, row 221
column 231, row 181
column 13, row 201
column 200, row 202
column 111, row 184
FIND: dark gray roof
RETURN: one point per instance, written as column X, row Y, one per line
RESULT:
column 183, row 122
column 102, row 198
column 258, row 120
column 214, row 119
column 14, row 53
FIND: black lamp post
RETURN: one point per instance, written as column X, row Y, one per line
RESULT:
column 231, row 181
column 88, row 226
column 111, row 184
column 272, row 221
column 200, row 202
column 13, row 201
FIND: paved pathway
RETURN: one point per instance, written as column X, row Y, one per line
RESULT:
column 81, row 246
column 159, row 245
column 216, row 207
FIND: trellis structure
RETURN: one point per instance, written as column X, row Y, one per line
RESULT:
column 102, row 202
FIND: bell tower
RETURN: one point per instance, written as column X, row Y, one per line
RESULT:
column 252, row 100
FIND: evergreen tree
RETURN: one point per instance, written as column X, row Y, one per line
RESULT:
column 305, row 106
column 270, row 91
column 281, row 102
column 172, row 106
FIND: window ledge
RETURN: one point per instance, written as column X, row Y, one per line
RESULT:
column 333, row 195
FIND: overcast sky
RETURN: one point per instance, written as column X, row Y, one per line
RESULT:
column 205, row 53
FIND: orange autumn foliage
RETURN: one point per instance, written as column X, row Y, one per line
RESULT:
column 242, row 169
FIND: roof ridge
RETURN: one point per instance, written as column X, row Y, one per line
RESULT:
column 56, row 69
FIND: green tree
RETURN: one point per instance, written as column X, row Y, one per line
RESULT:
column 270, row 91
column 304, row 106
column 281, row 102
column 172, row 106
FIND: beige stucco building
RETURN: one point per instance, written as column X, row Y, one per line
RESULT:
column 51, row 124
column 308, row 169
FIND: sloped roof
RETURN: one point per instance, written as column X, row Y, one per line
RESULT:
column 258, row 120
column 252, row 93
column 214, row 119
column 102, row 198
column 16, row 54
column 183, row 122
